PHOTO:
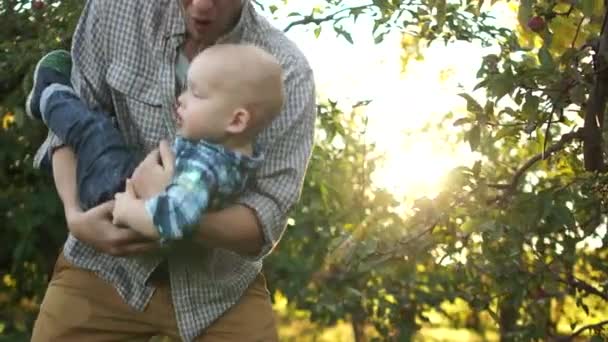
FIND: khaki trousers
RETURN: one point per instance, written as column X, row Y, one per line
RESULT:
column 80, row 306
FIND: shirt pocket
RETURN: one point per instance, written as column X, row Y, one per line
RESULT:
column 138, row 103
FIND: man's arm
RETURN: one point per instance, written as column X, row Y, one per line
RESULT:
column 255, row 225
column 93, row 226
column 236, row 228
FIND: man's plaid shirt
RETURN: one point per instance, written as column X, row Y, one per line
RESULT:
column 207, row 176
column 124, row 55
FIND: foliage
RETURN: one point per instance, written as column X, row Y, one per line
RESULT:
column 519, row 237
column 32, row 218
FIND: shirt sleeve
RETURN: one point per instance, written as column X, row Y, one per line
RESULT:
column 88, row 66
column 277, row 184
column 176, row 211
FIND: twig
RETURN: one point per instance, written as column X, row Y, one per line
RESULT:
column 510, row 187
column 547, row 136
column 583, row 286
column 574, row 282
column 420, row 234
column 578, row 30
column 311, row 20
column 582, row 329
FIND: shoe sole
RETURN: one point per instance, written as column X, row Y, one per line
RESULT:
column 28, row 105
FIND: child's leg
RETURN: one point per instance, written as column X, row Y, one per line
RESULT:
column 103, row 159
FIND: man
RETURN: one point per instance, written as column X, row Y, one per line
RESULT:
column 111, row 283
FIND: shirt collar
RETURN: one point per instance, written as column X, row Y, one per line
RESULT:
column 237, row 158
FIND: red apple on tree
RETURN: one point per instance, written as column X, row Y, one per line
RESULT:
column 537, row 24
column 37, row 5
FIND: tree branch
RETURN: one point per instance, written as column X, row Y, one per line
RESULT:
column 583, row 286
column 310, row 20
column 510, row 187
column 578, row 30
column 581, row 330
column 594, row 111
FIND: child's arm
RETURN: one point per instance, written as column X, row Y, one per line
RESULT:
column 176, row 211
column 131, row 212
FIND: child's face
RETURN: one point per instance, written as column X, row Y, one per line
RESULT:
column 204, row 109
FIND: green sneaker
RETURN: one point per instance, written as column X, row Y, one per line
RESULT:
column 54, row 67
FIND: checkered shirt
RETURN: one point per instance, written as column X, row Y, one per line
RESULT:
column 124, row 55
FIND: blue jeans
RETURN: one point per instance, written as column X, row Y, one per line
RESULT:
column 104, row 160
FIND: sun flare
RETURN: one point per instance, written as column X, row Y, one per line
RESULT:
column 414, row 164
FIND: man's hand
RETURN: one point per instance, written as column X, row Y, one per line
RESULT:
column 123, row 205
column 154, row 173
column 95, row 228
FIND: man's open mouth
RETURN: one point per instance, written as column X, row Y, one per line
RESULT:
column 201, row 22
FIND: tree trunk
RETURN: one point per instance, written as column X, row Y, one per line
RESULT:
column 508, row 319
column 596, row 105
column 407, row 327
column 359, row 329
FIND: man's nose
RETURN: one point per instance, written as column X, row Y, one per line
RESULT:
column 202, row 5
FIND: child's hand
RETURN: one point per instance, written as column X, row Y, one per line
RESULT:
column 123, row 205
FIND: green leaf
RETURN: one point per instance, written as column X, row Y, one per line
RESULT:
column 341, row 32
column 578, row 94
column 501, row 85
column 546, row 60
column 545, row 205
column 564, row 216
column 462, row 121
column 481, row 84
column 530, row 108
column 474, row 137
column 477, row 168
column 317, row 31
column 506, row 132
column 379, row 38
column 472, row 105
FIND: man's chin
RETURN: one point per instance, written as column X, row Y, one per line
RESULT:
column 202, row 35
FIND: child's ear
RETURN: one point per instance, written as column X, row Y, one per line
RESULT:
column 239, row 121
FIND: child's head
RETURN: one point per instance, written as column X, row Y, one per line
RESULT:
column 233, row 92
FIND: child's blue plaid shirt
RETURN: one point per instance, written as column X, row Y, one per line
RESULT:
column 207, row 176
